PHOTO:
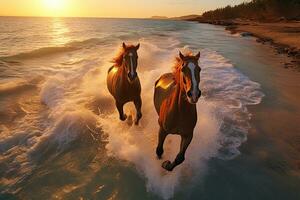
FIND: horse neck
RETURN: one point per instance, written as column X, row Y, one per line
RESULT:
column 122, row 73
column 180, row 95
column 179, row 91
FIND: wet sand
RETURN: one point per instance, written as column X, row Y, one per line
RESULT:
column 284, row 36
column 278, row 116
column 269, row 165
column 277, row 119
column 274, row 138
column 285, row 33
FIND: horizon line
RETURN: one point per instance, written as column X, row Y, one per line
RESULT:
column 103, row 17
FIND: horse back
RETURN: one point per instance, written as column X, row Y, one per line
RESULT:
column 111, row 73
column 164, row 87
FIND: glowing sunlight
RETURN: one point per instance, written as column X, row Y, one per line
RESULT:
column 54, row 7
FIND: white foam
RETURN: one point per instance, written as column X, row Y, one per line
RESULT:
column 52, row 91
column 222, row 116
column 226, row 93
column 67, row 128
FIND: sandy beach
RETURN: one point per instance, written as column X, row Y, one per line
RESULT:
column 274, row 137
column 284, row 33
column 275, row 134
column 277, row 118
column 284, row 36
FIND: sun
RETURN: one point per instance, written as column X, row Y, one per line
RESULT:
column 54, row 4
column 54, row 8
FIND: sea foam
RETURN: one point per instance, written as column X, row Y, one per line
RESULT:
column 77, row 103
column 222, row 123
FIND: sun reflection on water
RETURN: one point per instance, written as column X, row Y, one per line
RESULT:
column 59, row 32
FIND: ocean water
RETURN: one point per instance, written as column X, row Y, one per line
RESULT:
column 60, row 137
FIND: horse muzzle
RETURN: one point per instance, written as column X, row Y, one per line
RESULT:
column 193, row 97
column 132, row 76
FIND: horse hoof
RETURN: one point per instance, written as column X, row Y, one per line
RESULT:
column 123, row 118
column 167, row 165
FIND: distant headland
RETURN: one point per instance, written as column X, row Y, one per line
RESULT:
column 274, row 22
column 185, row 17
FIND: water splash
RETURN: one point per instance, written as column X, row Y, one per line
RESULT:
column 74, row 97
column 226, row 94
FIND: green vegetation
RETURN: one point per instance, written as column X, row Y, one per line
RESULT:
column 257, row 10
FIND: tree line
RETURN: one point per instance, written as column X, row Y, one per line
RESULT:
column 257, row 10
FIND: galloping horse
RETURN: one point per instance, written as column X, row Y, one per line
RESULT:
column 175, row 98
column 123, row 82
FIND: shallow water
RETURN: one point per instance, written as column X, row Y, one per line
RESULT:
column 60, row 135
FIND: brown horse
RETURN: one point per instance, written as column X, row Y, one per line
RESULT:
column 175, row 98
column 123, row 82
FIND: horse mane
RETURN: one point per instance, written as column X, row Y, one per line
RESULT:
column 178, row 65
column 118, row 59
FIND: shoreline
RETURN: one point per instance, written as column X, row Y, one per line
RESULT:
column 283, row 36
column 273, row 140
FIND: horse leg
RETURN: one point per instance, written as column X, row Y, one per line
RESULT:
column 162, row 134
column 138, row 106
column 185, row 142
column 121, row 112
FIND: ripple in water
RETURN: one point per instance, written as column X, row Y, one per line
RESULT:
column 222, row 125
column 72, row 100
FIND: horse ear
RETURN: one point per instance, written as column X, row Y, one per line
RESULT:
column 137, row 46
column 198, row 55
column 124, row 45
column 181, row 56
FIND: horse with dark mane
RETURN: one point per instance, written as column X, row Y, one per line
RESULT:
column 123, row 82
column 175, row 98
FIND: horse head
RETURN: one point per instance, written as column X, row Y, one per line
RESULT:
column 130, row 60
column 190, row 76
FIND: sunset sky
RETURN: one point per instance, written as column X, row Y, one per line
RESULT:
column 109, row 8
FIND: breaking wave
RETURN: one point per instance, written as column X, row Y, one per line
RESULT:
column 46, row 51
column 74, row 105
